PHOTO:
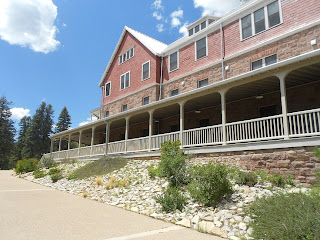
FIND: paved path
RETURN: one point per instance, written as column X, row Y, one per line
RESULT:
column 31, row 211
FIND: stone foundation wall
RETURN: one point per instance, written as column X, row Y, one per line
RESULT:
column 298, row 162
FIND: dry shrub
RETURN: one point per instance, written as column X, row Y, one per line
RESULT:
column 113, row 183
column 99, row 181
column 84, row 194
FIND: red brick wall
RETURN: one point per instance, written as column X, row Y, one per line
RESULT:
column 134, row 65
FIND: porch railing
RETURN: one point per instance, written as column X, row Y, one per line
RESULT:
column 255, row 130
column 305, row 123
column 157, row 140
column 117, row 147
column 202, row 136
column 300, row 124
column 138, row 144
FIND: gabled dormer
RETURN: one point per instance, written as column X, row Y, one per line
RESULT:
column 201, row 24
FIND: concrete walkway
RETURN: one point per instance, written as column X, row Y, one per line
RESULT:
column 31, row 211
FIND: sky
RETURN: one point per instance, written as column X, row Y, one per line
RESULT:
column 56, row 50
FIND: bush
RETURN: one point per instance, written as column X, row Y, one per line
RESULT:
column 277, row 180
column 72, row 176
column 290, row 180
column 263, row 176
column 153, row 172
column 55, row 174
column 293, row 216
column 39, row 174
column 171, row 200
column 47, row 163
column 173, row 164
column 27, row 165
column 209, row 184
column 246, row 178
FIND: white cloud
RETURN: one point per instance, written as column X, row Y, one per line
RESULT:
column 160, row 27
column 183, row 29
column 175, row 18
column 64, row 25
column 18, row 113
column 157, row 4
column 29, row 23
column 157, row 15
column 216, row 7
column 88, row 121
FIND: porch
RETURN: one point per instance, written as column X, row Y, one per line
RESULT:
column 269, row 108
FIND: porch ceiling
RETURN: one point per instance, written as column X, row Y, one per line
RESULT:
column 166, row 112
column 303, row 75
column 206, row 101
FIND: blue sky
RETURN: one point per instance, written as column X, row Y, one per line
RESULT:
column 56, row 50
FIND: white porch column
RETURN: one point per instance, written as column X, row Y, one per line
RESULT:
column 51, row 147
column 224, row 115
column 92, row 139
column 126, row 134
column 60, row 139
column 69, row 145
column 107, row 137
column 150, row 128
column 282, row 78
column 79, row 143
column 181, row 121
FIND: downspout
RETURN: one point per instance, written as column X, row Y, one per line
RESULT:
column 222, row 51
column 160, row 91
column 101, row 102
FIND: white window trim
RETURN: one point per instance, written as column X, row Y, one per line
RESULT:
column 266, row 22
column 195, row 48
column 122, row 107
column 143, row 100
column 263, row 61
column 125, row 52
column 177, row 62
column 105, row 89
column 125, row 80
column 142, row 70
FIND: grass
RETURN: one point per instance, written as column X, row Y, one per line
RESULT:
column 100, row 167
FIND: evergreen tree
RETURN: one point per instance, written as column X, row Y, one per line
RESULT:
column 24, row 125
column 37, row 141
column 7, row 132
column 64, row 123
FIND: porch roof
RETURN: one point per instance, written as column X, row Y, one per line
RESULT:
column 288, row 64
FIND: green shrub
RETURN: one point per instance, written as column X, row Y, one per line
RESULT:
column 47, row 163
column 286, row 217
column 277, row 180
column 152, row 171
column 72, row 176
column 316, row 181
column 39, row 174
column 317, row 153
column 173, row 164
column 56, row 176
column 246, row 178
column 27, row 165
column 290, row 180
column 172, row 199
column 209, row 184
column 54, row 171
column 263, row 176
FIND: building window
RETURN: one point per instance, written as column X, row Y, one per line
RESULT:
column 145, row 100
column 203, row 83
column 174, row 92
column 264, row 62
column 125, row 80
column 261, row 22
column 108, row 89
column 203, row 25
column 268, row 111
column 197, row 29
column 173, row 61
column 106, row 114
column 124, row 107
column 201, row 48
column 273, row 14
column 191, row 32
column 204, row 122
column 145, row 132
column 126, row 55
column 146, row 70
column 174, row 128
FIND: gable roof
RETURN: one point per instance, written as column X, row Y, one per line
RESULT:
column 155, row 46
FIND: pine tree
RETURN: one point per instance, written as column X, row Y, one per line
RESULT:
column 37, row 141
column 64, row 123
column 7, row 132
column 24, row 125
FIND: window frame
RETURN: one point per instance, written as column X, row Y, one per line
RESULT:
column 105, row 89
column 125, row 80
column 263, row 61
column 143, row 99
column 127, row 55
column 105, row 113
column 195, row 48
column 143, row 79
column 171, row 95
column 206, row 79
column 266, row 19
column 122, row 107
column 169, row 62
